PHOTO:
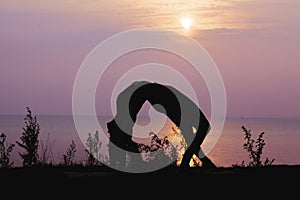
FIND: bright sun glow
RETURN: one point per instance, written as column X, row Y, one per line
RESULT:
column 186, row 22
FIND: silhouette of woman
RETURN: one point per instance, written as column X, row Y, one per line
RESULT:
column 175, row 105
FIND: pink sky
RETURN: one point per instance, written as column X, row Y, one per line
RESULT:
column 254, row 43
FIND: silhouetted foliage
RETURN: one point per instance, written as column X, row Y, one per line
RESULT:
column 160, row 151
column 93, row 144
column 29, row 140
column 5, row 150
column 69, row 156
column 255, row 149
column 45, row 155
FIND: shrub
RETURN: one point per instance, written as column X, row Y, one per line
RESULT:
column 93, row 144
column 160, row 151
column 255, row 149
column 29, row 140
column 69, row 156
column 5, row 150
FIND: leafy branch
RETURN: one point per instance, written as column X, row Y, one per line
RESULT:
column 255, row 149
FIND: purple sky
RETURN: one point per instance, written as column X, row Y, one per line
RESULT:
column 254, row 43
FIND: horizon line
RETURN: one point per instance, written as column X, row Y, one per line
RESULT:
column 227, row 117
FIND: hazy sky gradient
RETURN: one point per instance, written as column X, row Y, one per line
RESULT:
column 254, row 43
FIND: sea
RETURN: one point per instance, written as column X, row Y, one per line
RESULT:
column 281, row 138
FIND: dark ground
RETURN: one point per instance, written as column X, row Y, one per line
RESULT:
column 276, row 180
column 106, row 174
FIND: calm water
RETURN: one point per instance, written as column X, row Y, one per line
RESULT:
column 282, row 137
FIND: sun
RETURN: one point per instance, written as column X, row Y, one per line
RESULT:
column 186, row 22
